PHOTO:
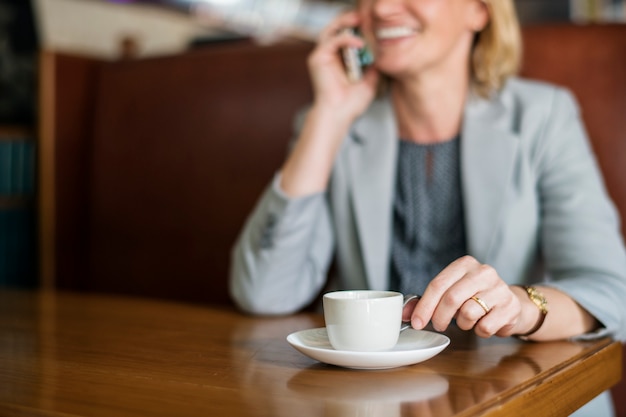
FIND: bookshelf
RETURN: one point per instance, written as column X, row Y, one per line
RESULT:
column 17, row 207
column 18, row 144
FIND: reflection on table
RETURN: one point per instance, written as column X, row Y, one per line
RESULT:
column 64, row 354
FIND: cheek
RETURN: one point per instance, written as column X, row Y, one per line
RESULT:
column 445, row 32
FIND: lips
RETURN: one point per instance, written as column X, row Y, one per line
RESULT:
column 394, row 32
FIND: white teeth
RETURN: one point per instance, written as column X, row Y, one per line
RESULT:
column 394, row 32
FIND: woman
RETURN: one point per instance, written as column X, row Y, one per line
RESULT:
column 440, row 173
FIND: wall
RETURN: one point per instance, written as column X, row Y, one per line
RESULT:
column 96, row 28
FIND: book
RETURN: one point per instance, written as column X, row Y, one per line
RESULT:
column 18, row 232
column 17, row 168
column 18, row 258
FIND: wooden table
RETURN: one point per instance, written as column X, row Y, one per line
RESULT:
column 64, row 355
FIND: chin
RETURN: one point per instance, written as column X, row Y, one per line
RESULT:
column 391, row 71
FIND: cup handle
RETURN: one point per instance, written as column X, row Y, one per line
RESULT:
column 407, row 299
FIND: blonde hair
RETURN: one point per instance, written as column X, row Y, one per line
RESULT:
column 497, row 51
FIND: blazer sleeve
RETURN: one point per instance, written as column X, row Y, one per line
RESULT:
column 581, row 241
column 280, row 260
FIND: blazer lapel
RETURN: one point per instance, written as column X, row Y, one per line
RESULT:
column 372, row 171
column 488, row 153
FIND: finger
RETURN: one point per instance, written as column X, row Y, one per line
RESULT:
column 345, row 38
column 489, row 324
column 466, row 288
column 501, row 320
column 327, row 52
column 438, row 287
column 344, row 20
column 330, row 45
column 470, row 313
column 408, row 308
column 478, row 278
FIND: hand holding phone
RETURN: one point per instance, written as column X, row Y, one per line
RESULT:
column 355, row 59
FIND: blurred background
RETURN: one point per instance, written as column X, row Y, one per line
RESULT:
column 98, row 27
column 37, row 36
column 110, row 29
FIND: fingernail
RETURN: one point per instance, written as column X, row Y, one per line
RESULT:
column 417, row 324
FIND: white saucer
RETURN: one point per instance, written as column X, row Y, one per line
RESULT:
column 413, row 346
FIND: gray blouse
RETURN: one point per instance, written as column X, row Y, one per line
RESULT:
column 428, row 227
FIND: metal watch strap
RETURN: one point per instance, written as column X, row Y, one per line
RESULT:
column 542, row 304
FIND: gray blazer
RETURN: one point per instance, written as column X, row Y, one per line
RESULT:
column 535, row 204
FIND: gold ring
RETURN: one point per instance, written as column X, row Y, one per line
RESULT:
column 481, row 303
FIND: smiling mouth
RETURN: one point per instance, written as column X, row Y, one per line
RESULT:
column 394, row 32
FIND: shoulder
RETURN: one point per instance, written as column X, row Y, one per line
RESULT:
column 527, row 108
column 542, row 118
column 536, row 98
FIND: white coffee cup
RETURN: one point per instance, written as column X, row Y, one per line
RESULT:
column 364, row 320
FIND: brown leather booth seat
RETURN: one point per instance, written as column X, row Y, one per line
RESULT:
column 157, row 162
column 591, row 61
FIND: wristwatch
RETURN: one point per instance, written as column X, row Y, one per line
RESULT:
column 542, row 304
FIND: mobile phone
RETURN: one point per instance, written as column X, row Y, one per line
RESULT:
column 355, row 59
